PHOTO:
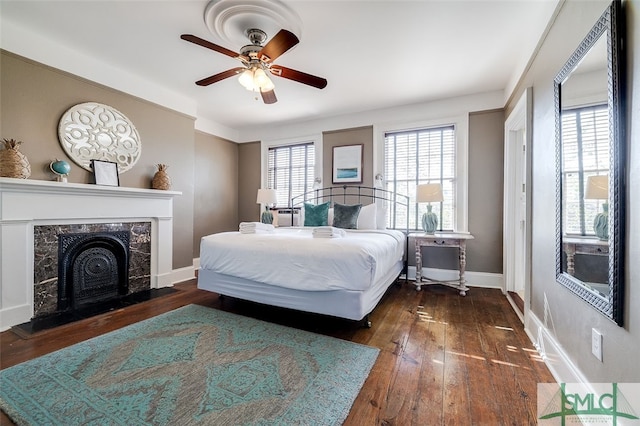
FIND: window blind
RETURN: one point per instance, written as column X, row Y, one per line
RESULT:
column 585, row 152
column 291, row 170
column 422, row 156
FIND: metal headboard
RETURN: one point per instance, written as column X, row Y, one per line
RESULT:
column 346, row 194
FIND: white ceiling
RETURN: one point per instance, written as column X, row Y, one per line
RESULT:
column 374, row 54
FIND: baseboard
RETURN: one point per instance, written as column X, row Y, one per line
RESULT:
column 474, row 279
column 14, row 315
column 515, row 307
column 182, row 274
column 559, row 363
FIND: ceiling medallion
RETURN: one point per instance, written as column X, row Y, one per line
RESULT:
column 229, row 19
column 93, row 131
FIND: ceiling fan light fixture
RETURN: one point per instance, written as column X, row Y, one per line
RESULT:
column 256, row 80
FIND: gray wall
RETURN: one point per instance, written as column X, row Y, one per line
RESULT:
column 486, row 184
column 215, row 207
column 570, row 319
column 248, row 181
column 35, row 96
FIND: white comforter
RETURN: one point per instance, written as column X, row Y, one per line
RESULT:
column 291, row 257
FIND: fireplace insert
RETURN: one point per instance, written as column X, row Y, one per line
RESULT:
column 93, row 267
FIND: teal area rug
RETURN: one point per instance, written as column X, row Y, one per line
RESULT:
column 191, row 366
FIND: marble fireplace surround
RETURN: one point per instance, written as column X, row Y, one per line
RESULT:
column 25, row 204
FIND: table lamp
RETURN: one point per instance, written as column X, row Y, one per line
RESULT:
column 268, row 197
column 429, row 193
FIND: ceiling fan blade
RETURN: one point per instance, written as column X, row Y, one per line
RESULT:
column 299, row 76
column 279, row 44
column 204, row 43
column 220, row 76
column 269, row 97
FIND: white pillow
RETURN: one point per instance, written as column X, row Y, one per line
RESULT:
column 330, row 217
column 367, row 217
column 381, row 218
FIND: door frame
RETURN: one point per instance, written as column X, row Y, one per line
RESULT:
column 520, row 119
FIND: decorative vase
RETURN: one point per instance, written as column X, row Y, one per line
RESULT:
column 267, row 216
column 429, row 221
column 161, row 179
column 13, row 163
column 601, row 223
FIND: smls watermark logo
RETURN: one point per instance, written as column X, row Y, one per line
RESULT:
column 589, row 403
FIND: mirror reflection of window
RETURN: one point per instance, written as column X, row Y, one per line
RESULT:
column 585, row 153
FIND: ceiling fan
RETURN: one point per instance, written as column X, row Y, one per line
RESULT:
column 258, row 60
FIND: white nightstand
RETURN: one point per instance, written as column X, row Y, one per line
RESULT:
column 442, row 239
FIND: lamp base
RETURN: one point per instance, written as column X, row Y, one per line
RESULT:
column 601, row 226
column 429, row 221
column 267, row 217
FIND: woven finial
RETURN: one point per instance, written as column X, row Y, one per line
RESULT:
column 161, row 179
column 13, row 163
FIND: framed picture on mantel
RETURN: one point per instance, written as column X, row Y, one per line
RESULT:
column 105, row 173
column 347, row 164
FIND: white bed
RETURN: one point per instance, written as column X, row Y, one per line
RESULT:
column 344, row 277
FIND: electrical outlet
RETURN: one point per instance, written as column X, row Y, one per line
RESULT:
column 596, row 343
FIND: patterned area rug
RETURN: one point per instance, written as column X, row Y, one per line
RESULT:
column 191, row 366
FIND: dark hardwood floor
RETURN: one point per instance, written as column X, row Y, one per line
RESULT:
column 445, row 359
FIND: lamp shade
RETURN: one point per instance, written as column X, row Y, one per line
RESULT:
column 246, row 79
column 597, row 188
column 267, row 196
column 429, row 193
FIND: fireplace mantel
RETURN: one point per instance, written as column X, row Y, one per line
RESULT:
column 27, row 203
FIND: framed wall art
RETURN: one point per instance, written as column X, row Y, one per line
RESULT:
column 105, row 172
column 347, row 164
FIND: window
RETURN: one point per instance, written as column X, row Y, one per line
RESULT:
column 290, row 170
column 585, row 152
column 414, row 157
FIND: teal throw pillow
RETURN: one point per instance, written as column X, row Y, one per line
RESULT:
column 316, row 215
column 345, row 216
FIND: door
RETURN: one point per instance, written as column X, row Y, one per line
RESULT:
column 517, row 207
column 520, row 200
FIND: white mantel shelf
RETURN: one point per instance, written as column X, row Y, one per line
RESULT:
column 11, row 184
column 27, row 203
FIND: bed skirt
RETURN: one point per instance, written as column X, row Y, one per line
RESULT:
column 349, row 304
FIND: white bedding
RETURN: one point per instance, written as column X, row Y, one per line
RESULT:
column 292, row 258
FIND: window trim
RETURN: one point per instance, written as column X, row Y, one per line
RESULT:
column 316, row 139
column 460, row 124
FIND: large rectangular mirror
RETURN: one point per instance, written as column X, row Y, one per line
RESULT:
column 590, row 150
